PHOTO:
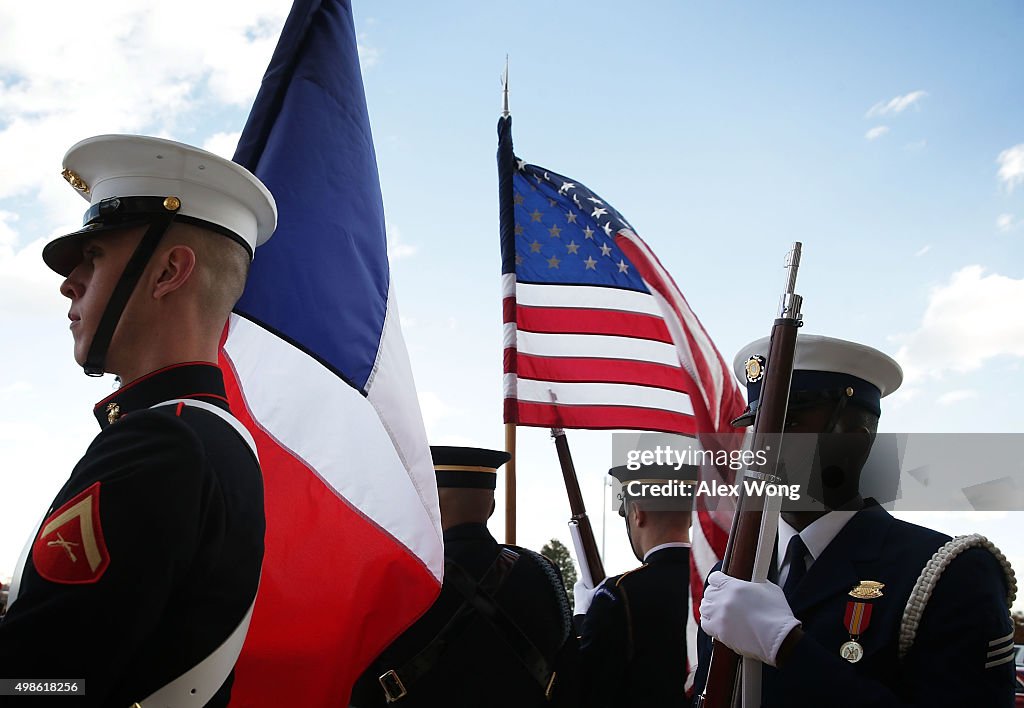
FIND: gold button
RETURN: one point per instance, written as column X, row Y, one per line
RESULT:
column 172, row 204
column 849, row 391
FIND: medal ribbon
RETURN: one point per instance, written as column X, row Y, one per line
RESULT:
column 858, row 617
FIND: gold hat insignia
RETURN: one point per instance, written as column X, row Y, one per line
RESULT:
column 74, row 180
column 867, row 590
column 754, row 368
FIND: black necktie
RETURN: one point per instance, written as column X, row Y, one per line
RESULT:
column 797, row 565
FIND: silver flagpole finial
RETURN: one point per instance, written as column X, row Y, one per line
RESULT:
column 504, row 91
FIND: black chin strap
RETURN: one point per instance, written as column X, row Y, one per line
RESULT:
column 833, row 421
column 95, row 360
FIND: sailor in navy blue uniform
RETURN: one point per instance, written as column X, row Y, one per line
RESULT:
column 633, row 637
column 850, row 618
column 500, row 633
column 142, row 576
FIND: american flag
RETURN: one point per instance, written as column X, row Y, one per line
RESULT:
column 317, row 370
column 596, row 333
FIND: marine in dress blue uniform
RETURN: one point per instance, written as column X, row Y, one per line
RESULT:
column 500, row 633
column 633, row 637
column 148, row 560
column 831, row 634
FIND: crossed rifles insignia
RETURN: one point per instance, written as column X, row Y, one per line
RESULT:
column 70, row 548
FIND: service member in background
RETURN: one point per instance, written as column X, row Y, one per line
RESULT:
column 500, row 633
column 142, row 575
column 633, row 637
column 831, row 626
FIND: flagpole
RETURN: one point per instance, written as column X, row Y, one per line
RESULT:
column 510, row 484
column 510, row 428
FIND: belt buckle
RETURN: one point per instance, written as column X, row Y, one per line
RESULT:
column 393, row 687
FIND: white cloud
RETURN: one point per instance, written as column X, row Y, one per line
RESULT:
column 27, row 286
column 223, row 144
column 1004, row 222
column 876, row 132
column 896, row 105
column 15, row 388
column 923, row 251
column 8, row 236
column 1011, row 166
column 915, row 146
column 434, row 410
column 368, row 56
column 144, row 66
column 952, row 397
column 969, row 320
column 397, row 248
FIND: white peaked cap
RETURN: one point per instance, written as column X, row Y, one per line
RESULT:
column 815, row 352
column 109, row 170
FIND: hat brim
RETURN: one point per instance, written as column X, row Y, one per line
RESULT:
column 745, row 420
column 63, row 254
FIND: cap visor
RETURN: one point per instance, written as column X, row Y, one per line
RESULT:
column 743, row 421
column 64, row 253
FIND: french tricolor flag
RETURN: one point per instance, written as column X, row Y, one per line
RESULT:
column 318, row 371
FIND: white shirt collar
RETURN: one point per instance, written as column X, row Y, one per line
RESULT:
column 674, row 544
column 817, row 535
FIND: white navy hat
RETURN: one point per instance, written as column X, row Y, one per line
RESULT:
column 131, row 179
column 824, row 368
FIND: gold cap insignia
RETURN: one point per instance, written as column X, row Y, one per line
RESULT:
column 74, row 180
column 754, row 368
column 113, row 412
column 867, row 590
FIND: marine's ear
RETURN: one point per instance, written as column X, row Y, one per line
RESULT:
column 173, row 267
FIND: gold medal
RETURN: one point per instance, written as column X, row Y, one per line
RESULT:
column 852, row 651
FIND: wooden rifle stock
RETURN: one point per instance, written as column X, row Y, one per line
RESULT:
column 579, row 511
column 722, row 687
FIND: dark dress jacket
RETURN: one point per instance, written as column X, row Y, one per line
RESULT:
column 150, row 554
column 475, row 664
column 963, row 624
column 633, row 643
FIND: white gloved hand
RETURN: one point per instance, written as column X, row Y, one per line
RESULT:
column 583, row 594
column 752, row 619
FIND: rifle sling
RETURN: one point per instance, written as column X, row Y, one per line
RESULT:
column 479, row 602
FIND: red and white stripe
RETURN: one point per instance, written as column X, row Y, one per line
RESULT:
column 352, row 515
column 591, row 357
column 602, row 357
column 722, row 402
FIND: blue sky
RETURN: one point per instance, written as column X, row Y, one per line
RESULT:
column 886, row 136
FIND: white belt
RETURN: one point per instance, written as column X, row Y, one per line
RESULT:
column 19, row 567
column 199, row 684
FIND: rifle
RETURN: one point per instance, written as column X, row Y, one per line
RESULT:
column 579, row 524
column 753, row 528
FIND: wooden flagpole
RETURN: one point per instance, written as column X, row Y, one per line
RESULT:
column 510, row 484
column 510, row 428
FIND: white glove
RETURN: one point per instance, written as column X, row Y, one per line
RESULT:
column 752, row 619
column 583, row 594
